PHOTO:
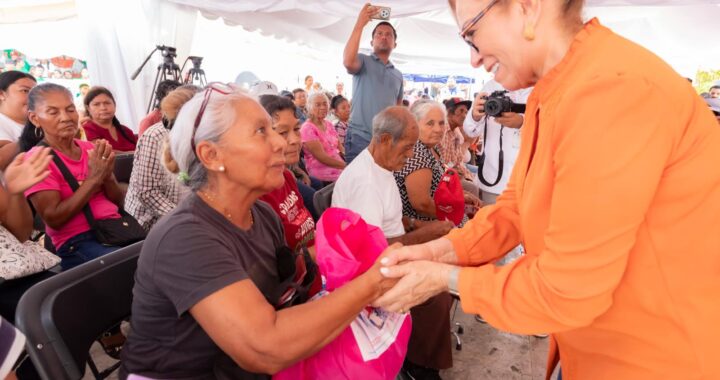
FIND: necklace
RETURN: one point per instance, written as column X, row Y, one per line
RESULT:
column 226, row 214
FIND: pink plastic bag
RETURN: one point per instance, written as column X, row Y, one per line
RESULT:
column 375, row 344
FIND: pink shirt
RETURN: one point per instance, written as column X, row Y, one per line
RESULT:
column 329, row 142
column 101, row 206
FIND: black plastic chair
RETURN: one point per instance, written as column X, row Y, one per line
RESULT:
column 64, row 315
column 322, row 199
column 123, row 167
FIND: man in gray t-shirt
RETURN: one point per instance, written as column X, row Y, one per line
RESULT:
column 377, row 84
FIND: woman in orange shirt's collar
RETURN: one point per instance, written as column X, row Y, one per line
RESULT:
column 615, row 197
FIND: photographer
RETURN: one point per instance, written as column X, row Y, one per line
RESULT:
column 377, row 84
column 508, row 124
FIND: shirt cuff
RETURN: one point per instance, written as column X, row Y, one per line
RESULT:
column 456, row 237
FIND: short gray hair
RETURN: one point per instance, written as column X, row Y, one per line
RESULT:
column 218, row 117
column 389, row 121
column 421, row 108
column 310, row 105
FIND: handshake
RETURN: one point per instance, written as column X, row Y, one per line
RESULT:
column 409, row 275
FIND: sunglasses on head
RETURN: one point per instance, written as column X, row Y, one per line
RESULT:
column 221, row 88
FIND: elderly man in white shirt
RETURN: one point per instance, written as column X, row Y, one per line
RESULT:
column 494, row 179
column 367, row 185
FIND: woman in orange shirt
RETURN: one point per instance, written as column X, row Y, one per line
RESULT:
column 615, row 196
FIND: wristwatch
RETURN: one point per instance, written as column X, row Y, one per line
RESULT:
column 453, row 282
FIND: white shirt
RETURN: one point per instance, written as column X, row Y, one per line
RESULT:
column 371, row 191
column 491, row 142
column 10, row 130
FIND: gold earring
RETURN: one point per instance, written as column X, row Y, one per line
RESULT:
column 529, row 32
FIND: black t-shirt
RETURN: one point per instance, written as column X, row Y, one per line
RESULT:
column 189, row 254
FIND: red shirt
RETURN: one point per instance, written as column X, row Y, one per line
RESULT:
column 94, row 132
column 297, row 221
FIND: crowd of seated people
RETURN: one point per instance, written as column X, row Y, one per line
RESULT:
column 247, row 167
column 217, row 159
column 223, row 188
column 211, row 304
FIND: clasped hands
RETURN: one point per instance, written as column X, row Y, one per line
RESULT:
column 420, row 271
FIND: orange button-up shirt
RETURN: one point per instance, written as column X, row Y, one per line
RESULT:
column 616, row 198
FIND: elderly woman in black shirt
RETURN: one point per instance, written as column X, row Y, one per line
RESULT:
column 208, row 299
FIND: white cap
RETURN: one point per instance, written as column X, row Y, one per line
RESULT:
column 261, row 88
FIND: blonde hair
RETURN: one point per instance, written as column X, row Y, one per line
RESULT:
column 170, row 108
column 171, row 104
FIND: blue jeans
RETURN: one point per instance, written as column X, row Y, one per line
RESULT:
column 81, row 248
column 354, row 144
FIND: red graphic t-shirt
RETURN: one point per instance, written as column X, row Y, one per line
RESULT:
column 296, row 219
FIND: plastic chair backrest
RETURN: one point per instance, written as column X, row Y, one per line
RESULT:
column 63, row 315
column 123, row 167
column 322, row 199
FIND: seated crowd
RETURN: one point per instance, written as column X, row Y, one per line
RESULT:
column 226, row 191
column 219, row 160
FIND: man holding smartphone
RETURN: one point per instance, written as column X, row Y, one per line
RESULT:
column 377, row 84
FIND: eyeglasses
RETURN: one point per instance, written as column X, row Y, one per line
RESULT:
column 223, row 89
column 466, row 29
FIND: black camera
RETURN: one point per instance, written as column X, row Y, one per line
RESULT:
column 498, row 102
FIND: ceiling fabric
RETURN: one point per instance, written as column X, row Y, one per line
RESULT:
column 308, row 35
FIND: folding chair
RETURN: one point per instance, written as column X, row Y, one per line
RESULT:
column 64, row 315
column 323, row 198
column 123, row 167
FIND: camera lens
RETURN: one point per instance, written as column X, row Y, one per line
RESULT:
column 493, row 107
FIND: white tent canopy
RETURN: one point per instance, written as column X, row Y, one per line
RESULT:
column 284, row 39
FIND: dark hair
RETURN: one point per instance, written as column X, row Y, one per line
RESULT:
column 384, row 23
column 717, row 86
column 336, row 101
column 83, row 85
column 31, row 134
column 163, row 89
column 93, row 93
column 275, row 103
column 287, row 94
column 297, row 90
column 9, row 77
column 309, row 76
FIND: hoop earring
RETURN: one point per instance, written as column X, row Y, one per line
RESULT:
column 39, row 133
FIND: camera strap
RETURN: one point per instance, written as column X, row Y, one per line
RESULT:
column 501, row 158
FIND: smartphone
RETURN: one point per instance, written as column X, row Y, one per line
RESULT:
column 383, row 14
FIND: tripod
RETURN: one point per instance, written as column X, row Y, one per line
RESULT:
column 195, row 74
column 168, row 69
